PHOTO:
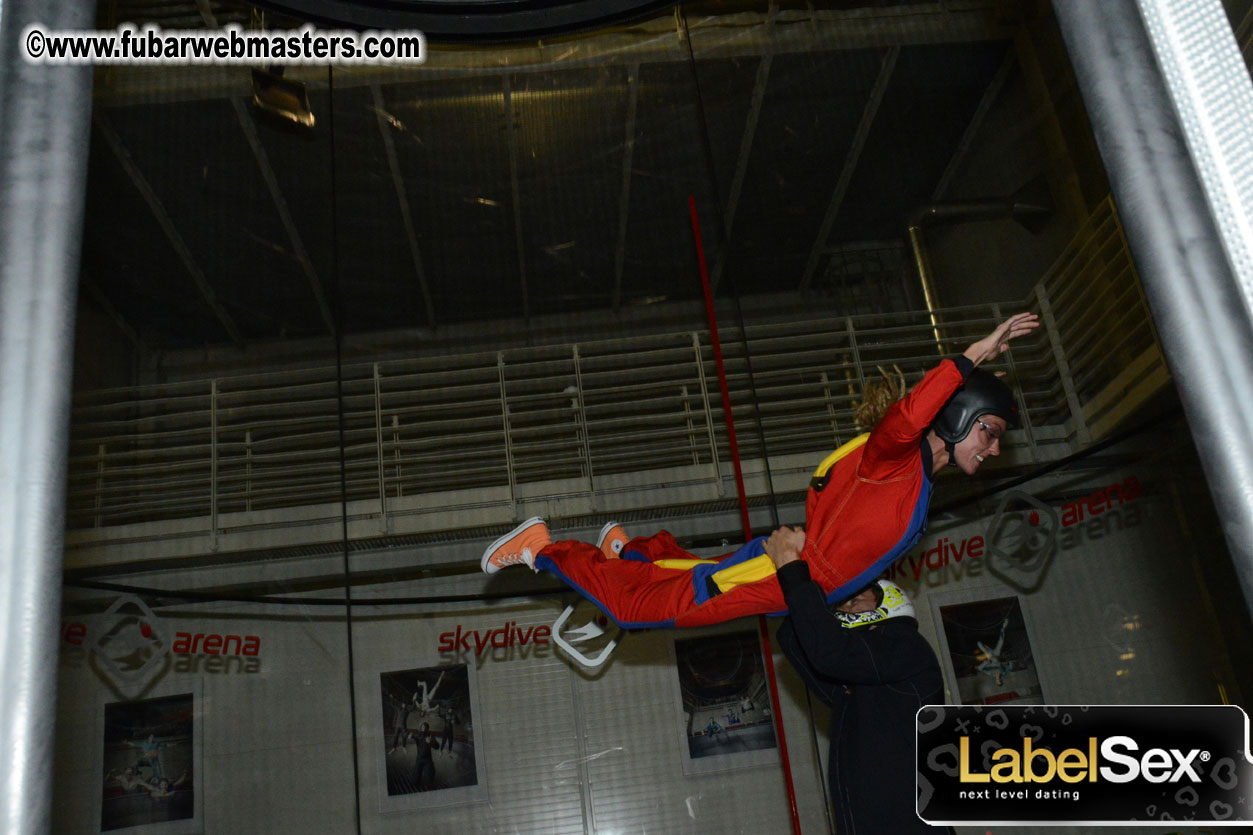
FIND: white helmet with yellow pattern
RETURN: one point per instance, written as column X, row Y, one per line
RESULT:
column 892, row 603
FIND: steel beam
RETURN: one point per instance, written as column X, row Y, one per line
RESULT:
column 86, row 285
column 990, row 95
column 624, row 196
column 402, row 198
column 172, row 235
column 730, row 36
column 746, row 149
column 511, row 130
column 850, row 164
column 284, row 213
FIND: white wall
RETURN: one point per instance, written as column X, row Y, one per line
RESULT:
column 562, row 750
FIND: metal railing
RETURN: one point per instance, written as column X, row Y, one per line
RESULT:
column 569, row 416
column 1102, row 338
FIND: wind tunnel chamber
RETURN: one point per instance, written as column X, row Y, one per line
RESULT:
column 340, row 328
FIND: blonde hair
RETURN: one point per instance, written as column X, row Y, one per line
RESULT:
column 880, row 394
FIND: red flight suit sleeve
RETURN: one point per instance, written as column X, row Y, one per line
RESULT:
column 892, row 447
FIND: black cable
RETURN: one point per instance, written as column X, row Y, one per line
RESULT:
column 1143, row 426
column 725, row 243
column 216, row 597
column 822, row 772
column 337, row 322
column 761, row 432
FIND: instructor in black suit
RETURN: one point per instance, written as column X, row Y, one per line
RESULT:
column 865, row 658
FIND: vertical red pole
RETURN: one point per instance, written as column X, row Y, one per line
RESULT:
column 739, row 489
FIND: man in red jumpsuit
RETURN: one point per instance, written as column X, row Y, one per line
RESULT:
column 866, row 507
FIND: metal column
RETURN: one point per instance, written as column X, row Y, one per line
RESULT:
column 45, row 114
column 1160, row 169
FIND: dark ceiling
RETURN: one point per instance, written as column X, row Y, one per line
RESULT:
column 470, row 20
column 457, row 194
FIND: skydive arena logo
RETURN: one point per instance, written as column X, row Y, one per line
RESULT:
column 1025, row 534
column 131, row 647
column 129, row 644
column 1022, row 540
column 1064, row 765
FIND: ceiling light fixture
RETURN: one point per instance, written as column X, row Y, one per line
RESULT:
column 281, row 97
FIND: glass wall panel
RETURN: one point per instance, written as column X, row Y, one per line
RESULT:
column 343, row 328
column 205, row 660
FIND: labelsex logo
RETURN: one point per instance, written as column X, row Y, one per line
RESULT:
column 1084, row 764
column 1040, row 765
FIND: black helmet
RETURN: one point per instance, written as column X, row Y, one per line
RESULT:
column 981, row 394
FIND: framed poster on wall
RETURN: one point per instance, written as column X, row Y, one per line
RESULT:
column 425, row 739
column 990, row 659
column 150, row 755
column 723, row 701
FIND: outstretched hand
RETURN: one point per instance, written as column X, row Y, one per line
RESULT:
column 997, row 342
column 784, row 546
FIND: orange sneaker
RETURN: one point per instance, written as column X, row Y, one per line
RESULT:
column 518, row 547
column 613, row 538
